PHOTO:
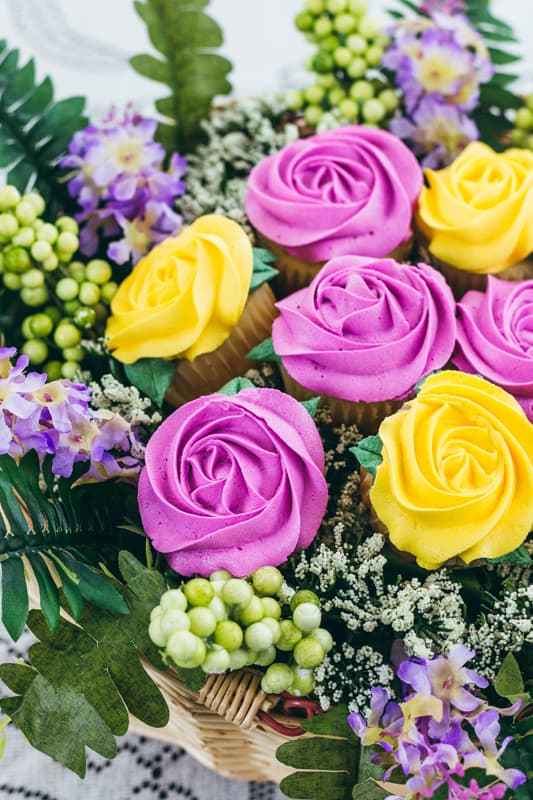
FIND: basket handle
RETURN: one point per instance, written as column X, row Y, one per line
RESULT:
column 289, row 702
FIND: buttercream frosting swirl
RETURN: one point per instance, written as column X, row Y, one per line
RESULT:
column 495, row 337
column 186, row 296
column 233, row 483
column 366, row 330
column 477, row 214
column 457, row 472
column 347, row 191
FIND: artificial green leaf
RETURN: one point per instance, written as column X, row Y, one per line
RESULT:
column 84, row 679
column 263, row 271
column 186, row 38
column 508, row 682
column 317, row 786
column 368, row 453
column 152, row 376
column 338, row 754
column 235, row 386
column 495, row 95
column 34, row 129
column 369, row 790
column 192, row 679
column 14, row 612
column 500, row 57
column 264, row 352
column 48, row 592
column 311, row 405
column 519, row 556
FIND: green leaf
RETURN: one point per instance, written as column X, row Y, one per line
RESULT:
column 152, row 376
column 494, row 95
column 85, row 678
column 264, row 352
column 186, row 39
column 501, row 57
column 368, row 453
column 14, row 612
column 317, row 786
column 48, row 592
column 509, row 683
column 35, row 130
column 235, row 386
column 193, row 679
column 369, row 790
column 263, row 271
column 311, row 405
column 519, row 556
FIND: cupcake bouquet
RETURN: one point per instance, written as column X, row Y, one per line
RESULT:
column 266, row 406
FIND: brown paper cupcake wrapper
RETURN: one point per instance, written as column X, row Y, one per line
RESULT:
column 365, row 485
column 367, row 416
column 295, row 273
column 461, row 281
column 207, row 373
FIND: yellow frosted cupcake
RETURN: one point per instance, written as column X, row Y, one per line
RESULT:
column 475, row 217
column 456, row 477
column 189, row 300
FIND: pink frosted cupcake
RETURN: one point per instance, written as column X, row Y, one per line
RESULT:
column 495, row 337
column 363, row 334
column 351, row 191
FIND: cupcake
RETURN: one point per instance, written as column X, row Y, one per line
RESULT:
column 456, row 476
column 189, row 300
column 350, row 191
column 475, row 217
column 363, row 334
column 233, row 483
column 495, row 337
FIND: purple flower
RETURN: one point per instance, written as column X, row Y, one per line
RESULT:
column 443, row 6
column 121, row 186
column 14, row 404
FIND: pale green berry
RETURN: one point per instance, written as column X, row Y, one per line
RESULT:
column 274, row 627
column 237, row 592
column 36, row 351
column 69, row 370
column 336, row 6
column 308, row 653
column 203, row 621
column 326, row 81
column 9, row 197
column 67, row 289
column 342, row 56
column 303, row 682
column 277, row 679
column 54, row 314
column 16, row 259
column 228, row 634
column 24, row 238
column 89, row 293
column 99, row 271
column 37, row 201
column 524, row 118
column 108, row 291
column 314, row 94
column 323, row 62
column 253, row 612
column 344, row 23
column 32, row 279
column 336, row 96
column 271, row 608
column 374, row 55
column 68, row 225
column 324, row 638
column 47, row 233
column 323, row 27
column 362, row 90
column 369, row 27
column 518, row 138
column 70, row 307
column 51, row 263
column 356, row 44
column 290, row 635
column 313, row 115
column 69, row 243
column 220, row 575
column 174, row 620
column 41, row 250
column 8, row 226
column 12, row 281
column 390, row 99
column 358, row 6
column 25, row 212
column 314, row 6
column 357, row 67
column 77, row 271
column 218, row 586
column 84, row 317
column 216, row 661
column 34, row 297
column 349, row 109
column 238, row 659
column 329, row 45
column 155, row 613
column 173, row 598
column 304, row 596
column 53, row 370
column 199, row 592
column 304, row 22
column 529, row 101
column 186, row 649
column 218, row 607
column 27, row 330
column 41, row 325
column 307, row 617
column 73, row 353
column 66, row 335
column 156, row 634
column 294, row 100
column 267, row 580
column 265, row 657
column 258, row 636
column 374, row 110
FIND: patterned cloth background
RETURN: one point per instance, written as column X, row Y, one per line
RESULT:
column 85, row 45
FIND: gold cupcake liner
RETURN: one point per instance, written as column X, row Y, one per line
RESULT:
column 366, row 416
column 208, row 372
column 296, row 273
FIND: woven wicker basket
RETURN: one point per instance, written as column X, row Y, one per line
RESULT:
column 227, row 726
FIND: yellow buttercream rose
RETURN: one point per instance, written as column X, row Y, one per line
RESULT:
column 457, row 472
column 477, row 214
column 186, row 296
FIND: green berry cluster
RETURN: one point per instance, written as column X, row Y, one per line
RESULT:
column 66, row 296
column 227, row 623
column 350, row 46
column 522, row 134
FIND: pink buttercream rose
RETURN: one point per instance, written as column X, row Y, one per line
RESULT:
column 233, row 483
column 350, row 191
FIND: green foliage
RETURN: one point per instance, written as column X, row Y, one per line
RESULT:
column 263, row 270
column 186, row 38
column 192, row 679
column 235, row 386
column 509, row 683
column 311, row 405
column 369, row 790
column 264, row 352
column 519, row 556
column 83, row 679
column 151, row 376
column 65, row 526
column 368, row 453
column 335, row 745
column 34, row 128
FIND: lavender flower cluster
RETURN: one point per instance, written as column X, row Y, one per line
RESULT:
column 55, row 419
column 440, row 731
column 440, row 62
column 125, row 194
